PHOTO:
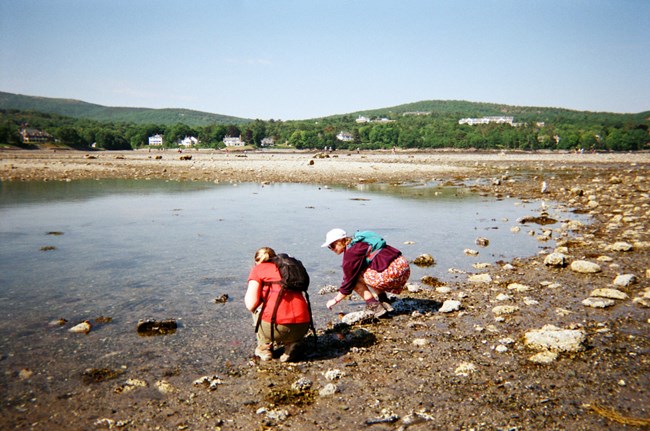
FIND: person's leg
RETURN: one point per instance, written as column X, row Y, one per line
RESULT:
column 263, row 349
column 290, row 336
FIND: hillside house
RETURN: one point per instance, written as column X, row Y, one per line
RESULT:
column 35, row 136
column 487, row 120
column 268, row 142
column 188, row 141
column 345, row 137
column 156, row 140
column 233, row 141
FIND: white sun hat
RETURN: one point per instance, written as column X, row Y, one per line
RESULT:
column 333, row 235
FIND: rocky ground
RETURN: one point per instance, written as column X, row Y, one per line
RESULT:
column 461, row 356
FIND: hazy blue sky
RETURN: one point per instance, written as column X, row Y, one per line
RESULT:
column 295, row 59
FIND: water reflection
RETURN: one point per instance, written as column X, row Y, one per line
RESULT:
column 134, row 250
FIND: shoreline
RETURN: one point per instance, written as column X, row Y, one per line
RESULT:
column 421, row 369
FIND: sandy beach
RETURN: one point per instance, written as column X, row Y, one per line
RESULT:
column 434, row 364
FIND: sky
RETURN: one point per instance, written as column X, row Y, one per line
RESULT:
column 302, row 59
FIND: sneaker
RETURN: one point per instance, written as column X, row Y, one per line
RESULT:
column 376, row 308
column 389, row 308
column 263, row 352
column 289, row 349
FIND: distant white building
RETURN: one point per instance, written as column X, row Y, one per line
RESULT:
column 362, row 119
column 188, row 141
column 156, row 140
column 233, row 141
column 345, row 137
column 487, row 120
column 268, row 142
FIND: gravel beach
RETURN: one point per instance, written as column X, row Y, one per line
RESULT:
column 549, row 342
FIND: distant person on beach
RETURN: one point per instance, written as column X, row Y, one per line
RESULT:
column 292, row 317
column 371, row 268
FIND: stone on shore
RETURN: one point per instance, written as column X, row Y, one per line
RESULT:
column 555, row 339
column 585, row 267
column 625, row 280
column 609, row 293
column 598, row 302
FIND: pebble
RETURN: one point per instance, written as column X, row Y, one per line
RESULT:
column 500, row 310
column 517, row 287
column 465, row 369
column 480, row 278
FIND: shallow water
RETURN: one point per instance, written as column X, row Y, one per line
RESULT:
column 131, row 250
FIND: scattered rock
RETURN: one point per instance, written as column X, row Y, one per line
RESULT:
column 482, row 242
column 465, row 369
column 156, row 327
column 557, row 260
column 328, row 390
column 211, row 382
column 609, row 293
column 585, row 267
column 221, row 299
column 555, row 339
column 545, row 357
column 449, row 306
column 480, row 278
column 164, row 387
column 625, row 280
column 81, row 328
column 500, row 310
column 620, row 246
column 424, row 260
column 598, row 302
column 517, row 287
column 470, row 252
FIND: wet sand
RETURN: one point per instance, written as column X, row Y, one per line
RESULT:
column 420, row 369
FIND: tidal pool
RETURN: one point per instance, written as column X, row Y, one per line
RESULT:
column 132, row 250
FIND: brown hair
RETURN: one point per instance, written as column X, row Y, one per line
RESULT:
column 264, row 254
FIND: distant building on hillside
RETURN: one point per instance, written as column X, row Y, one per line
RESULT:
column 156, row 140
column 35, row 136
column 188, row 141
column 345, row 137
column 233, row 141
column 487, row 120
column 268, row 142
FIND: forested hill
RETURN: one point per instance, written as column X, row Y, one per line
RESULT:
column 461, row 109
column 79, row 109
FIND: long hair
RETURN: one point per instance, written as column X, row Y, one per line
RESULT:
column 264, row 254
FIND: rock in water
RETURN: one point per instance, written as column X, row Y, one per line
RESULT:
column 156, row 327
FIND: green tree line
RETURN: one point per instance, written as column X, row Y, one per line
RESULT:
column 564, row 130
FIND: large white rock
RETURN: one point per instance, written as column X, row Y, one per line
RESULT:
column 585, row 267
column 449, row 306
column 555, row 339
column 598, row 302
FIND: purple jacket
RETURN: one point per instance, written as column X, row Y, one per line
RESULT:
column 354, row 263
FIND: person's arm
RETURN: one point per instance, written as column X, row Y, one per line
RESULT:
column 354, row 260
column 253, row 297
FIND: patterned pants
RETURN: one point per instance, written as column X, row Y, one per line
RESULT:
column 392, row 279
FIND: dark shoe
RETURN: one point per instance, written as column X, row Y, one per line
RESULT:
column 385, row 301
column 376, row 308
